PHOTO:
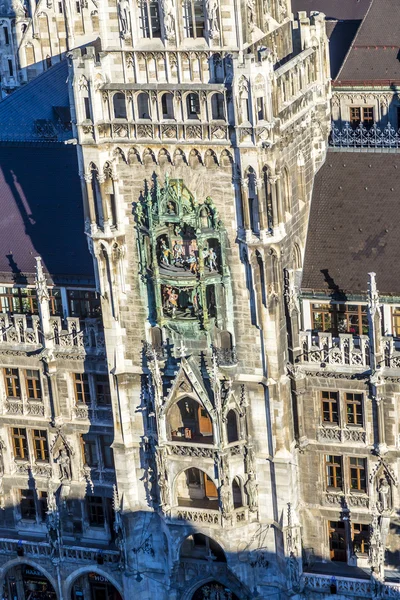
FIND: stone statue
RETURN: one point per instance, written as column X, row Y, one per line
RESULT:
column 384, row 495
column 251, row 15
column 225, row 496
column 168, row 10
column 212, row 15
column 251, row 488
column 64, row 462
column 124, row 16
column 2, row 448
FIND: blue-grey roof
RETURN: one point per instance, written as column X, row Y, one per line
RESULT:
column 41, row 214
column 33, row 111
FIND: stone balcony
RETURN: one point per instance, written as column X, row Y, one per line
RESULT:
column 69, row 553
column 349, row 586
column 79, row 336
column 153, row 131
column 325, row 350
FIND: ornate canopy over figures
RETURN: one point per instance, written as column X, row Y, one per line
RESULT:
column 181, row 246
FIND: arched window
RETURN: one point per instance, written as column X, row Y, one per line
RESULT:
column 217, row 107
column 189, row 420
column 193, row 18
column 195, row 489
column 96, row 196
column 198, row 546
column 167, row 106
column 286, row 191
column 143, row 106
column 29, row 55
column 150, row 19
column 232, row 427
column 119, row 105
column 237, row 493
column 156, row 338
column 268, row 199
column 193, row 106
column 48, row 62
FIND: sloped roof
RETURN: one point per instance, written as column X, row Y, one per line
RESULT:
column 42, row 215
column 32, row 112
column 375, row 52
column 338, row 10
column 354, row 226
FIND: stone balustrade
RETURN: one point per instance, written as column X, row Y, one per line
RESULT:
column 326, row 433
column 43, row 549
column 197, row 515
column 74, row 334
column 188, row 449
column 391, row 352
column 153, row 130
column 350, row 586
column 345, row 350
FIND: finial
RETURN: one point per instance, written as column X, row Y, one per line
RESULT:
column 40, row 281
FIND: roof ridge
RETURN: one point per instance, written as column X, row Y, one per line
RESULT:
column 353, row 43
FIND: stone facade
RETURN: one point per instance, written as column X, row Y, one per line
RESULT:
column 36, row 35
column 198, row 145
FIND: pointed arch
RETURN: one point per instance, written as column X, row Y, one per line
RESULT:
column 164, row 157
column 149, row 157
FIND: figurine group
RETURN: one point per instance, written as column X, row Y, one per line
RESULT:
column 178, row 258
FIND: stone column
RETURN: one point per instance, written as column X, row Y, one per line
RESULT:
column 102, row 181
column 275, row 217
column 90, row 199
column 262, row 203
column 245, row 204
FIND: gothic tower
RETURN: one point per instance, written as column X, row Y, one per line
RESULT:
column 200, row 126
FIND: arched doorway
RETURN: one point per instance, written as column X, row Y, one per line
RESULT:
column 215, row 591
column 94, row 586
column 195, row 489
column 24, row 582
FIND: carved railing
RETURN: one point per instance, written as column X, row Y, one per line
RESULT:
column 357, row 500
column 25, row 467
column 79, row 334
column 226, row 357
column 344, row 350
column 85, row 334
column 350, row 586
column 198, row 451
column 361, row 137
column 16, row 329
column 93, row 413
column 326, row 433
column 196, row 515
column 153, row 130
column 323, row 583
column 17, row 406
column 391, row 352
column 43, row 549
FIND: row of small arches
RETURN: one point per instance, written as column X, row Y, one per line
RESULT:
column 195, row 158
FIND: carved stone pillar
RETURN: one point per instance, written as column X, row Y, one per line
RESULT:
column 90, row 199
column 262, row 203
column 245, row 204
column 279, row 202
column 103, row 198
column 275, row 217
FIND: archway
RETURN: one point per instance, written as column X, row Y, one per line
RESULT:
column 94, row 586
column 195, row 489
column 214, row 589
column 23, row 581
column 198, row 546
column 188, row 420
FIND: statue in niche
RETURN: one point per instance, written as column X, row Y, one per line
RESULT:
column 178, row 251
column 212, row 15
column 64, row 462
column 164, row 253
column 384, row 492
column 124, row 15
column 251, row 15
column 205, row 218
column 252, row 492
column 167, row 8
column 225, row 496
column 171, row 208
column 210, row 259
column 170, row 300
